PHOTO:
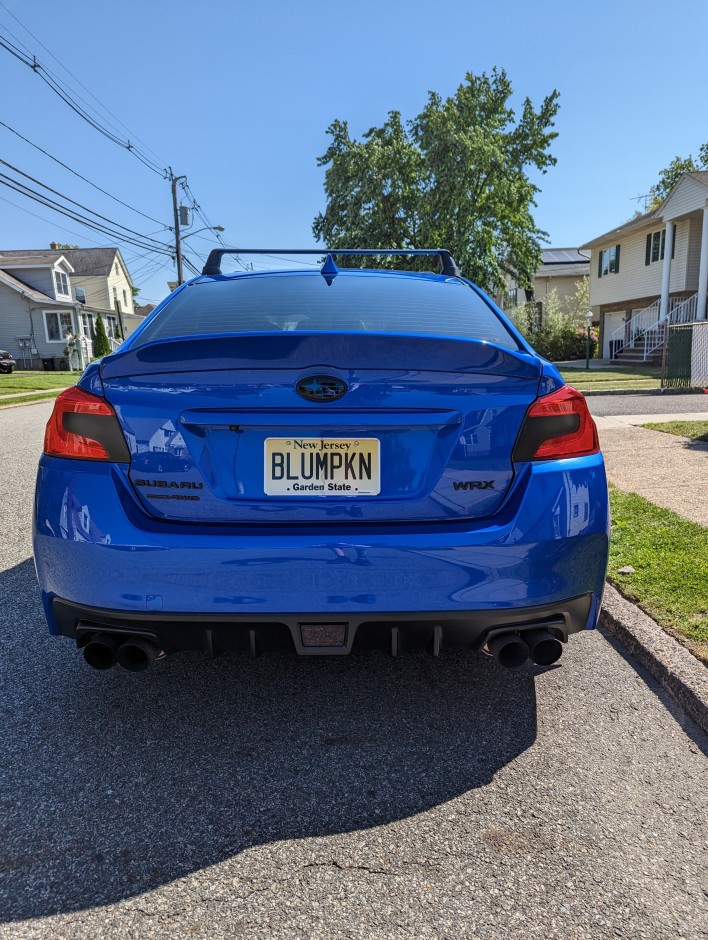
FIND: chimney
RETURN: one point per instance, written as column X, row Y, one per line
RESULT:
column 54, row 246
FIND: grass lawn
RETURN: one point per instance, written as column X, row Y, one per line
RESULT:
column 670, row 558
column 36, row 381
column 613, row 377
column 696, row 430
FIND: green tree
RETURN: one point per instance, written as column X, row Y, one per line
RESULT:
column 456, row 176
column 101, row 346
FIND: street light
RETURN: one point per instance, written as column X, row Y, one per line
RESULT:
column 210, row 228
column 588, row 318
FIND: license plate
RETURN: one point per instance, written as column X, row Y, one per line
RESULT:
column 322, row 466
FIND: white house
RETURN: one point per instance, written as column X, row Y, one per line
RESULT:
column 652, row 271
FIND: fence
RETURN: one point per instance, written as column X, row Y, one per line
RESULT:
column 686, row 356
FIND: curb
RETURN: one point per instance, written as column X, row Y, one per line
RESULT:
column 21, row 404
column 683, row 676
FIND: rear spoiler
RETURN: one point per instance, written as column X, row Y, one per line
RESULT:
column 298, row 350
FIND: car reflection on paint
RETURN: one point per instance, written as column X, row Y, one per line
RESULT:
column 160, row 462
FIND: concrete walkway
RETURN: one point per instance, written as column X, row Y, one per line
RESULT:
column 664, row 468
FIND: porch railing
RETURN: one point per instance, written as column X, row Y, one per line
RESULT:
column 645, row 331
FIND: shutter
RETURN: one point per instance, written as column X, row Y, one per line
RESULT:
column 647, row 256
column 673, row 244
column 617, row 259
column 599, row 264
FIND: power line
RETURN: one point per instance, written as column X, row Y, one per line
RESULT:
column 75, row 203
column 95, row 186
column 66, row 97
column 25, row 190
column 69, row 72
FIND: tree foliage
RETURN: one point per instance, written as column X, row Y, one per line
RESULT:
column 671, row 174
column 457, row 176
column 101, row 345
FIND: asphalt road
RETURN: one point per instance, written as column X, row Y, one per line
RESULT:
column 363, row 797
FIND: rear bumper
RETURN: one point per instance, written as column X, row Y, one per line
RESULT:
column 391, row 632
column 96, row 548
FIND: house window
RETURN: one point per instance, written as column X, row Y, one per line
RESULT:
column 62, row 283
column 80, row 294
column 656, row 242
column 608, row 261
column 87, row 325
column 117, row 268
column 57, row 325
column 111, row 327
column 125, row 298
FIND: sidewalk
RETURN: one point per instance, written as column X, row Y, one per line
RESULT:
column 31, row 391
column 663, row 468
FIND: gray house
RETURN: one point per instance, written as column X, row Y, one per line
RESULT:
column 47, row 296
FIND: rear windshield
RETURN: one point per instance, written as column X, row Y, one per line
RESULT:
column 386, row 303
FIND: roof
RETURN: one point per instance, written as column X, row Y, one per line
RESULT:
column 700, row 175
column 563, row 256
column 86, row 262
column 564, row 270
column 30, row 292
column 641, row 221
column 144, row 309
column 27, row 257
column 92, row 262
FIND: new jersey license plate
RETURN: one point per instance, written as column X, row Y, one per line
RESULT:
column 322, row 466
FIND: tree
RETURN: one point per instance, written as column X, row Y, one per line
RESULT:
column 456, row 176
column 101, row 346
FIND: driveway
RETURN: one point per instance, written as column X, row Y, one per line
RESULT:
column 359, row 797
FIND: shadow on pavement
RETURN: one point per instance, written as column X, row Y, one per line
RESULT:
column 115, row 783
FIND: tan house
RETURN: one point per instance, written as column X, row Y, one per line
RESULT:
column 47, row 295
column 650, row 272
column 562, row 270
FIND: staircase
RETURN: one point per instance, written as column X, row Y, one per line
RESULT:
column 640, row 340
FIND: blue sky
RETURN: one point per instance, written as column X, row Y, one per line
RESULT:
column 238, row 97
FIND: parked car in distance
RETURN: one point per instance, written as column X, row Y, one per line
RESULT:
column 357, row 459
column 7, row 363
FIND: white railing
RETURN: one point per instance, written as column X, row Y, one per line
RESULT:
column 684, row 312
column 645, row 331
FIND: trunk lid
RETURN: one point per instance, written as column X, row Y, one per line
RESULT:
column 219, row 434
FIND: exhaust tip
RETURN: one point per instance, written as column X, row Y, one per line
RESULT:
column 509, row 650
column 544, row 648
column 137, row 654
column 100, row 651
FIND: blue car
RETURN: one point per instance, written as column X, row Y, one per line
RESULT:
column 322, row 460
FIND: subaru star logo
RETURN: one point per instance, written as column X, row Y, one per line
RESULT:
column 321, row 388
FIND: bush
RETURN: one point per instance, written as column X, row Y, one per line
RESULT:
column 101, row 346
column 558, row 337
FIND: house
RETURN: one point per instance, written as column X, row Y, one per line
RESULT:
column 45, row 295
column 562, row 270
column 651, row 272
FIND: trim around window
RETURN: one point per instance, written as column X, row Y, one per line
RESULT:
column 656, row 243
column 61, row 282
column 57, row 325
column 608, row 261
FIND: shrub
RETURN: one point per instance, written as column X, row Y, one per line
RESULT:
column 101, row 346
column 558, row 337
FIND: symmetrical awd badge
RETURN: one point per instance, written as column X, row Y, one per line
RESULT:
column 321, row 388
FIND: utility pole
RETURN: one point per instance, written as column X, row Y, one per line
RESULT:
column 178, row 241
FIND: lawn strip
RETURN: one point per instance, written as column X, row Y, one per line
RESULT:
column 669, row 555
column 695, row 430
column 30, row 382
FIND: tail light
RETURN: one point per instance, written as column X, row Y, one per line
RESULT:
column 556, row 426
column 84, row 426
